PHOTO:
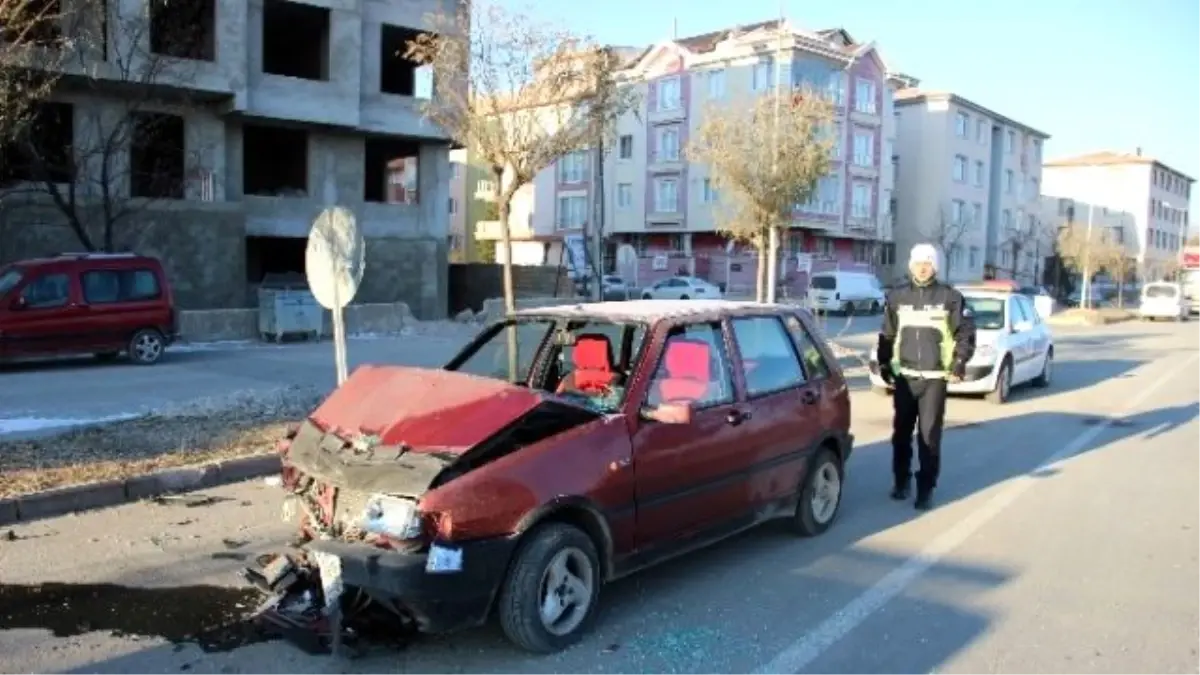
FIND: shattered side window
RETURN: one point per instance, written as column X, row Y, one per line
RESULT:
column 491, row 357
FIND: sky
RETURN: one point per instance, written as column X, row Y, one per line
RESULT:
column 1095, row 75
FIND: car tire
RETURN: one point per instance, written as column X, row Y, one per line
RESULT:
column 875, row 307
column 146, row 347
column 1042, row 381
column 521, row 600
column 684, row 297
column 820, row 495
column 1003, row 389
column 848, row 308
column 646, row 296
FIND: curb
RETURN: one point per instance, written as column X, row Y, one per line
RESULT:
column 103, row 494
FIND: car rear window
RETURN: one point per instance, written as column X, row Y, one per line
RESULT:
column 9, row 279
column 825, row 283
column 109, row 286
column 1161, row 291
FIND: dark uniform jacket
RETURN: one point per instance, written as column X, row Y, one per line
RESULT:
column 927, row 331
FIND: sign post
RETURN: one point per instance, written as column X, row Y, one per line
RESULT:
column 334, row 263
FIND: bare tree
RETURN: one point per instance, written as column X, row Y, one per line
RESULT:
column 519, row 94
column 31, row 46
column 127, row 149
column 1085, row 250
column 948, row 234
column 1018, row 239
column 765, row 160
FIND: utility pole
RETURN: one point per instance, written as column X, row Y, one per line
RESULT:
column 1085, row 298
column 598, row 222
column 773, row 233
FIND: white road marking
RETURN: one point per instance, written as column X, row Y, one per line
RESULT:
column 804, row 651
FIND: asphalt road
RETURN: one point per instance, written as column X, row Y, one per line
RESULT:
column 82, row 389
column 1065, row 541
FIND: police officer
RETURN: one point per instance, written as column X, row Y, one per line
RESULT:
column 926, row 341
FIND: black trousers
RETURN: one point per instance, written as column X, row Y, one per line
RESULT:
column 924, row 401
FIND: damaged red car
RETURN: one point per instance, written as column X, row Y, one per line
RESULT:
column 561, row 449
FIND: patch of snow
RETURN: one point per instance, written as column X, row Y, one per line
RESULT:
column 25, row 425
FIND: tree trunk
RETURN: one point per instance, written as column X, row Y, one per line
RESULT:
column 772, row 263
column 1120, row 285
column 510, row 301
column 760, row 276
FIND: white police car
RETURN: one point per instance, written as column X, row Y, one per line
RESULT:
column 1013, row 345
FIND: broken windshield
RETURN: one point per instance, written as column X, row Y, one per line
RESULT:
column 587, row 361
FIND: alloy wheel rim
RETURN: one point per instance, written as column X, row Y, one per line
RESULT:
column 827, row 488
column 565, row 592
column 147, row 347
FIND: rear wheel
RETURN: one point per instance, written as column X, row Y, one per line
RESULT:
column 646, row 296
column 875, row 307
column 146, row 347
column 847, row 308
column 552, row 588
column 684, row 297
column 821, row 494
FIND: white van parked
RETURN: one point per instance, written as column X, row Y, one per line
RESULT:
column 1163, row 300
column 845, row 292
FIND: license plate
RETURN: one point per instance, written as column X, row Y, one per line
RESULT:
column 330, row 567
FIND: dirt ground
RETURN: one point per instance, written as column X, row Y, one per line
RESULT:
column 133, row 447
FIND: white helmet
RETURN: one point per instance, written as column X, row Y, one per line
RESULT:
column 922, row 253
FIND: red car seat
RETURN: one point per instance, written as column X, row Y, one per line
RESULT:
column 593, row 362
column 688, row 371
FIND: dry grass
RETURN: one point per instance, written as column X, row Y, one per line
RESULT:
column 134, row 447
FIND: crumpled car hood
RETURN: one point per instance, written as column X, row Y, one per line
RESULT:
column 424, row 409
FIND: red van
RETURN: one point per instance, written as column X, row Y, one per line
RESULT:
column 78, row 303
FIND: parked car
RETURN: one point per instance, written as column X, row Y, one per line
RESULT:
column 622, row 435
column 79, row 303
column 1013, row 346
column 845, row 292
column 1163, row 300
column 614, row 288
column 682, row 288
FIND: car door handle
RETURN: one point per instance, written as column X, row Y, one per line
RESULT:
column 809, row 397
column 736, row 417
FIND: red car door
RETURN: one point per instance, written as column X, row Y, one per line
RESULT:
column 43, row 318
column 687, row 474
column 784, row 403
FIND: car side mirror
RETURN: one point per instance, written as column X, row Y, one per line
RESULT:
column 669, row 413
column 1022, row 326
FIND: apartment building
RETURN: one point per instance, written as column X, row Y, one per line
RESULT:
column 968, row 180
column 1157, row 197
column 265, row 112
column 664, row 206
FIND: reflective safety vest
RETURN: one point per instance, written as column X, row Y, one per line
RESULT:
column 937, row 319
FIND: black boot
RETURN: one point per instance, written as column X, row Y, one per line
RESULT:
column 924, row 500
column 901, row 489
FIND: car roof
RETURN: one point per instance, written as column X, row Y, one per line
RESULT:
column 653, row 311
column 62, row 258
column 985, row 293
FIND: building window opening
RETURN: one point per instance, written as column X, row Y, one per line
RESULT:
column 274, row 161
column 390, row 171
column 157, row 156
column 397, row 73
column 295, row 40
column 32, row 22
column 276, row 261
column 44, row 151
column 184, row 29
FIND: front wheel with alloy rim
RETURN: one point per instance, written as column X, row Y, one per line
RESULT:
column 146, row 346
column 820, row 496
column 1003, row 383
column 1042, row 381
column 550, row 594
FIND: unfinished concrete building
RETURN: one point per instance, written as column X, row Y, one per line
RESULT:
column 215, row 131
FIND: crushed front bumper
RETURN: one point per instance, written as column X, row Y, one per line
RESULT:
column 435, row 601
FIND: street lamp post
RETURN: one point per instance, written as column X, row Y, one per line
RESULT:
column 1085, row 296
